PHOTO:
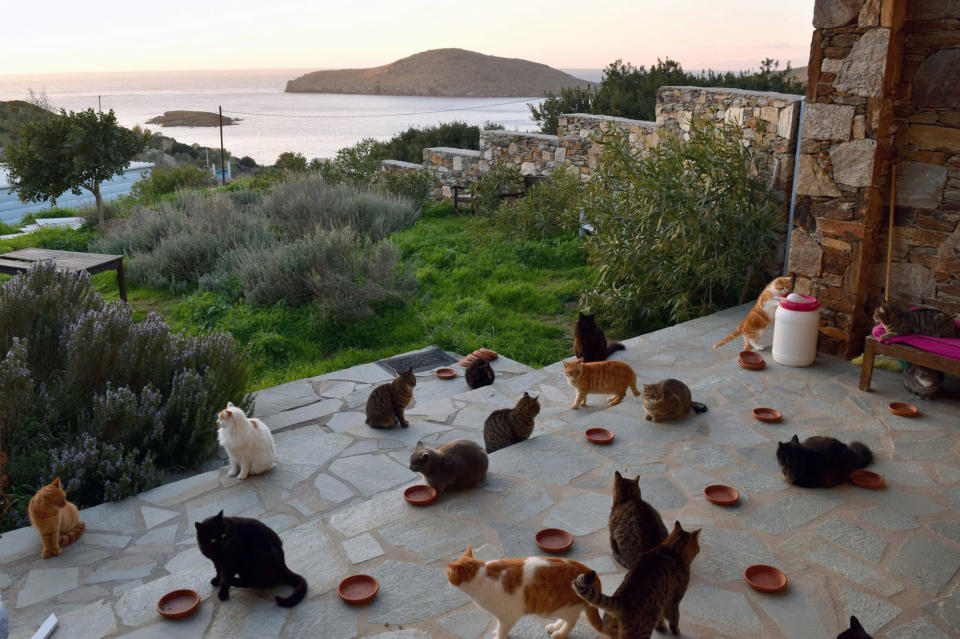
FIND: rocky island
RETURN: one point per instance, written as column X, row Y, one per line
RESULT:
column 442, row 72
column 191, row 118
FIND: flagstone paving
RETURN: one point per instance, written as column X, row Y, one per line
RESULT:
column 890, row 557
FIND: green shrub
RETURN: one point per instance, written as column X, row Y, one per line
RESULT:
column 412, row 185
column 676, row 232
column 290, row 161
column 551, row 207
column 163, row 181
column 486, row 193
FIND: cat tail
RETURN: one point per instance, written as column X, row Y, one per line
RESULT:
column 593, row 616
column 613, row 347
column 633, row 388
column 585, row 585
column 864, row 456
column 300, row 590
column 698, row 407
column 73, row 535
column 736, row 331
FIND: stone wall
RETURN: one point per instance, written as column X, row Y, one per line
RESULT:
column 452, row 167
column 580, row 133
column 533, row 153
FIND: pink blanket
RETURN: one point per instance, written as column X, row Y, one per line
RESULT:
column 946, row 346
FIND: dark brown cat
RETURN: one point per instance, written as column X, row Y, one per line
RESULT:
column 820, row 462
column 479, row 373
column 508, row 426
column 669, row 399
column 919, row 321
column 651, row 591
column 635, row 525
column 589, row 341
column 457, row 465
column 387, row 402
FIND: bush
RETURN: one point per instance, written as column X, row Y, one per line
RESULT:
column 290, row 161
column 486, row 193
column 104, row 402
column 550, row 208
column 676, row 231
column 163, row 181
column 412, row 185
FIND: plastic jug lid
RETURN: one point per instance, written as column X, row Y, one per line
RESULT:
column 809, row 304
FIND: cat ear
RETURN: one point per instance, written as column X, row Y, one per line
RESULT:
column 579, row 360
column 228, row 412
column 419, row 446
column 677, row 526
column 468, row 552
column 855, row 624
column 56, row 482
column 229, row 404
column 795, row 440
column 526, row 395
column 617, row 475
column 219, row 515
column 196, row 525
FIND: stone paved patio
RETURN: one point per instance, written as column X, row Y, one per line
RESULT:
column 890, row 557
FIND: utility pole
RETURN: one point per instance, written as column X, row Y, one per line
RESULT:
column 223, row 165
column 99, row 105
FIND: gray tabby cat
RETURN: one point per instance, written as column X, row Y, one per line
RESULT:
column 635, row 526
column 922, row 381
column 387, row 402
column 919, row 321
column 457, row 465
column 669, row 399
column 508, row 426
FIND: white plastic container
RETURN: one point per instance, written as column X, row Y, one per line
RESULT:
column 795, row 328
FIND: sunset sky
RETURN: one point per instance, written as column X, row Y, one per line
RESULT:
column 59, row 36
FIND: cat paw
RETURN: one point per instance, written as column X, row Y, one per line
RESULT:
column 648, row 417
column 232, row 472
column 675, row 629
column 215, row 581
column 553, row 627
column 45, row 554
column 223, row 595
column 661, row 627
column 404, row 424
column 575, row 407
column 243, row 475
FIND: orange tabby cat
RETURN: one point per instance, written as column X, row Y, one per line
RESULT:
column 512, row 588
column 760, row 315
column 56, row 519
column 611, row 376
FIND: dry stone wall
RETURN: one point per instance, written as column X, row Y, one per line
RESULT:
column 533, row 153
column 580, row 135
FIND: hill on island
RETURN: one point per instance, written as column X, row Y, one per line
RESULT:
column 442, row 72
column 190, row 118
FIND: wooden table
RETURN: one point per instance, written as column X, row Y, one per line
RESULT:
column 20, row 261
column 872, row 348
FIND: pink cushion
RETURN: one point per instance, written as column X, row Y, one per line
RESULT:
column 945, row 346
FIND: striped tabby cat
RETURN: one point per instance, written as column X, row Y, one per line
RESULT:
column 635, row 526
column 651, row 591
column 387, row 402
column 922, row 381
column 919, row 321
column 600, row 377
column 669, row 399
column 507, row 426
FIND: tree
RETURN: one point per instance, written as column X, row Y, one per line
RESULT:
column 291, row 161
column 570, row 100
column 77, row 150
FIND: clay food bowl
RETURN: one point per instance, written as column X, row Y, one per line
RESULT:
column 178, row 603
column 751, row 360
column 420, row 495
column 358, row 589
column 599, row 435
column 902, row 409
column 765, row 578
column 486, row 354
column 721, row 495
column 767, row 414
column 445, row 373
column 469, row 359
column 554, row 540
column 867, row 479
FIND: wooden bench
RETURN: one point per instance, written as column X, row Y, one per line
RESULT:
column 872, row 348
column 20, row 262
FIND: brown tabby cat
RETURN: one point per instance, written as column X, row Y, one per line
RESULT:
column 507, row 426
column 919, row 321
column 651, row 591
column 760, row 315
column 387, row 401
column 669, row 399
column 589, row 341
column 600, row 377
column 56, row 519
column 635, row 526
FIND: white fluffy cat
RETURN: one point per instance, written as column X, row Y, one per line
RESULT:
column 248, row 442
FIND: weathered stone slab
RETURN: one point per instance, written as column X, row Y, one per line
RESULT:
column 926, row 562
column 468, row 625
column 309, row 552
column 862, row 543
column 361, row 548
column 399, row 603
column 796, row 610
column 794, row 510
column 44, row 583
column 309, row 413
column 186, row 559
column 758, row 482
column 112, row 517
column 180, row 491
column 580, row 514
column 724, row 553
column 704, row 456
column 192, row 626
column 232, row 501
column 433, row 538
column 553, row 460
column 334, row 389
column 853, row 162
column 332, row 489
column 862, row 70
column 725, row 611
column 104, row 540
column 827, row 121
column 306, row 446
column 371, row 474
column 92, row 621
column 248, row 615
column 156, row 516
column 327, row 618
column 164, row 536
column 921, row 628
column 523, row 502
column 660, row 493
column 123, row 568
column 936, row 83
column 873, row 613
column 361, row 373
column 377, row 511
column 344, row 421
column 920, row 184
column 889, row 519
column 270, row 401
column 812, row 548
column 834, row 13
column 813, row 180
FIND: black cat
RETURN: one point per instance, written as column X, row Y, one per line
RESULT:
column 855, row 631
column 247, row 554
column 589, row 341
column 479, row 373
column 820, row 462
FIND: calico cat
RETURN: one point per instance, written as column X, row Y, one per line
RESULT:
column 248, row 442
column 56, row 520
column 651, row 591
column 922, row 381
column 248, row 554
column 511, row 588
column 457, row 465
column 760, row 315
column 918, row 321
column 669, row 399
column 600, row 377
column 507, row 426
column 589, row 342
column 635, row 526
column 479, row 373
column 820, row 462
column 855, row 631
column 387, row 401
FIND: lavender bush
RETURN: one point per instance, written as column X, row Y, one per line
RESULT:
column 102, row 401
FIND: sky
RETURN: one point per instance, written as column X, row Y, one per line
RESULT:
column 64, row 36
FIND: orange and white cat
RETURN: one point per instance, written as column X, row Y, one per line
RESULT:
column 760, row 315
column 511, row 588
column 611, row 376
column 56, row 519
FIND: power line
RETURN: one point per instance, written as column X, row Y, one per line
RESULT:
column 378, row 115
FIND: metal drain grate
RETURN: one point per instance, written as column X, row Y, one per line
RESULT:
column 422, row 361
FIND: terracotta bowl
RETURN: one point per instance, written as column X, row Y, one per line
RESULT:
column 445, row 373
column 751, row 358
column 765, row 578
column 599, row 435
column 420, row 495
column 721, row 495
column 358, row 589
column 466, row 361
column 554, row 540
column 178, row 603
column 767, row 414
column 867, row 479
column 902, row 409
column 486, row 354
